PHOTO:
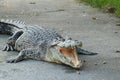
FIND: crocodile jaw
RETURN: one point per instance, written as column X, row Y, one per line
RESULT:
column 66, row 56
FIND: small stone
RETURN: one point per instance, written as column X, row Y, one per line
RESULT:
column 118, row 24
column 94, row 18
column 32, row 3
column 104, row 62
column 78, row 72
column 117, row 51
column 84, row 61
column 96, row 64
column 60, row 10
column 116, row 32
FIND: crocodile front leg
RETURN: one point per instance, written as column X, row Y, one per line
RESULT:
column 84, row 52
column 11, row 41
column 27, row 54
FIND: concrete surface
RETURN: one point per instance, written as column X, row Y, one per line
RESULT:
column 97, row 31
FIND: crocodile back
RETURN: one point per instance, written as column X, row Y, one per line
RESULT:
column 32, row 35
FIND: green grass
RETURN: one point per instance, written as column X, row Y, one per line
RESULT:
column 104, row 4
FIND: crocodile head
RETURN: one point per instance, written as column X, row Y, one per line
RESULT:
column 64, row 52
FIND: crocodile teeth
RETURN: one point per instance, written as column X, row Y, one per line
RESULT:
column 67, row 45
column 72, row 43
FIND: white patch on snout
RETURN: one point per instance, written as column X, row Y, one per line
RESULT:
column 70, row 43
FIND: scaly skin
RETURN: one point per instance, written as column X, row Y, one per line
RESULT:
column 38, row 43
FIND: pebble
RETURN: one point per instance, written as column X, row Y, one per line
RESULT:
column 84, row 61
column 118, row 24
column 78, row 72
column 116, row 32
column 94, row 18
column 104, row 62
column 117, row 51
column 32, row 3
column 96, row 64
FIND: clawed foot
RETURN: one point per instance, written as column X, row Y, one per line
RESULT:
column 8, row 48
column 11, row 61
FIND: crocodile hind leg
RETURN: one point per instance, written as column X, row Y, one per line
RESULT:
column 27, row 54
column 84, row 52
column 11, row 41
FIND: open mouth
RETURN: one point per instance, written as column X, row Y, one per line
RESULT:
column 68, row 51
column 64, row 52
column 70, row 55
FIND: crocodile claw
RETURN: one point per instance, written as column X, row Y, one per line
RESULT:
column 8, row 48
column 11, row 61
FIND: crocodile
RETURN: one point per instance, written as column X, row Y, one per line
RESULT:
column 40, row 43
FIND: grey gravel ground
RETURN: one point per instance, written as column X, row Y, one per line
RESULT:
column 97, row 31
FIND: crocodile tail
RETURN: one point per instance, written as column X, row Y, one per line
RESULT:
column 9, row 26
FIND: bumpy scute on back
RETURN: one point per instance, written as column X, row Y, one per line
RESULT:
column 40, row 43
